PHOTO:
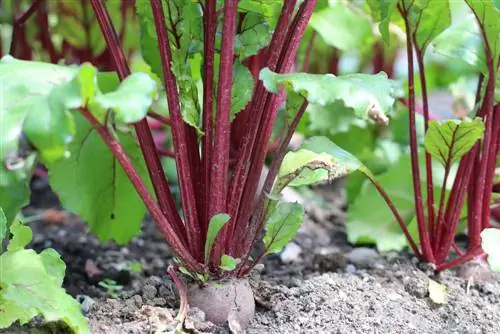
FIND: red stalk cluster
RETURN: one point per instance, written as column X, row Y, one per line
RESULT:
column 212, row 180
column 474, row 177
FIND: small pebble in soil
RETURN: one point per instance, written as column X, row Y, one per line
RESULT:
column 415, row 286
column 350, row 269
column 149, row 292
column 363, row 257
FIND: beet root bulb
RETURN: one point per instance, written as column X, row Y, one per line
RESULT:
column 230, row 301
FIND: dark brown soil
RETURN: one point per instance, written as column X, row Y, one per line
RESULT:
column 324, row 286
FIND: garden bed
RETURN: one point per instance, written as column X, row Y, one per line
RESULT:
column 326, row 286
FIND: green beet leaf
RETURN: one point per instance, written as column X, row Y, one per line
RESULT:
column 28, row 289
column 448, row 141
column 254, row 35
column 342, row 27
column 14, row 183
column 242, row 91
column 369, row 96
column 488, row 16
column 4, row 228
column 382, row 11
column 427, row 19
column 228, row 263
column 216, row 223
column 462, row 41
column 318, row 160
column 282, row 225
column 21, row 236
column 92, row 183
column 490, row 242
column 131, row 101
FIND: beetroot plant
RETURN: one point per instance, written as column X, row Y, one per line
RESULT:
column 224, row 70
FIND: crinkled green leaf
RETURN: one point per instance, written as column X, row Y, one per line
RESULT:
column 282, row 225
column 317, row 160
column 270, row 9
column 34, row 101
column 53, row 264
column 91, row 182
column 369, row 95
column 242, row 91
column 490, row 242
column 448, row 141
column 382, row 11
column 216, row 223
column 228, row 263
column 427, row 19
column 342, row 27
column 131, row 101
column 27, row 289
column 21, row 236
column 254, row 35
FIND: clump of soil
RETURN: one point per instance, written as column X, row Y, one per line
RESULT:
column 319, row 284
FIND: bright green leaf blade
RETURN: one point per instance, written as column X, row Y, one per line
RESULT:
column 4, row 228
column 216, row 223
column 282, row 225
column 437, row 292
column 92, row 183
column 242, row 91
column 488, row 15
column 21, row 236
column 28, row 290
column 425, row 22
column 131, row 101
column 33, row 100
column 369, row 220
column 53, row 264
column 369, row 95
column 228, row 263
column 448, row 141
column 14, row 184
column 461, row 41
column 343, row 28
column 382, row 11
column 317, row 160
column 254, row 35
column 490, row 242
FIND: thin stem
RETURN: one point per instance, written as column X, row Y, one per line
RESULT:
column 220, row 163
column 491, row 165
column 184, row 307
column 310, row 46
column 44, row 34
column 428, row 162
column 179, row 135
column 473, row 253
column 162, row 119
column 427, row 253
column 210, row 28
column 26, row 15
column 146, row 141
column 161, row 221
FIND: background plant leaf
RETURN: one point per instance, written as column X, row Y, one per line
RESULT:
column 228, row 263
column 490, row 242
column 382, row 11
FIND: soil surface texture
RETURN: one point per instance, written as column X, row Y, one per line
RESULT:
column 319, row 284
